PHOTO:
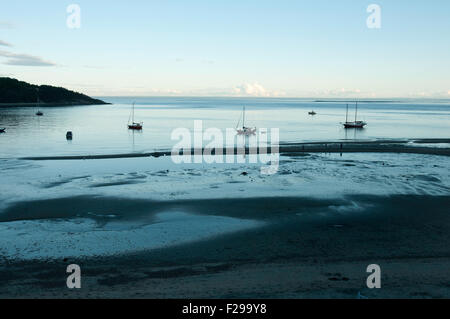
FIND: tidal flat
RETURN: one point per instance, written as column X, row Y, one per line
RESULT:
column 147, row 228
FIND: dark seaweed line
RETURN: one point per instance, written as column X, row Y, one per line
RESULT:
column 291, row 149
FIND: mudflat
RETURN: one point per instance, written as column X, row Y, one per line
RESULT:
column 304, row 248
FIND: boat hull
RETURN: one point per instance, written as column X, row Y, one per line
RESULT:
column 247, row 131
column 135, row 127
column 359, row 125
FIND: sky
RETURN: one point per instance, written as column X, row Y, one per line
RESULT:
column 261, row 48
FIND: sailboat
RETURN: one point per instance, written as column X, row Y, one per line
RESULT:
column 134, row 125
column 38, row 113
column 245, row 130
column 356, row 123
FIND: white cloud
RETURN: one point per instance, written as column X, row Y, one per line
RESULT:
column 256, row 90
column 343, row 92
column 430, row 94
column 24, row 59
column 245, row 90
column 165, row 92
column 335, row 93
column 5, row 44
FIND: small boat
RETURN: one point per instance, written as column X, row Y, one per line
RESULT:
column 356, row 124
column 245, row 130
column 312, row 113
column 2, row 130
column 133, row 125
column 39, row 113
column 69, row 136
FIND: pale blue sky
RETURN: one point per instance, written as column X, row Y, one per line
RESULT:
column 267, row 48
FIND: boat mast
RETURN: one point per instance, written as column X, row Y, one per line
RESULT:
column 243, row 119
column 133, row 113
column 38, row 100
column 346, row 116
column 356, row 111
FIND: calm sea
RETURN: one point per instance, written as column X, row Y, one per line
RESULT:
column 103, row 129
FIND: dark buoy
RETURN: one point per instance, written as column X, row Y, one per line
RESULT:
column 69, row 136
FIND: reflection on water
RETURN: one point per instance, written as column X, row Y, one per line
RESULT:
column 132, row 135
column 353, row 134
column 103, row 129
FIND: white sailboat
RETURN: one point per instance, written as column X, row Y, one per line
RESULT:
column 133, row 125
column 245, row 130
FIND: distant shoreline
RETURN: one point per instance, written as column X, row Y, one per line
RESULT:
column 8, row 105
column 15, row 93
column 359, row 101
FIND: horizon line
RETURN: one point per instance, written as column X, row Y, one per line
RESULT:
column 275, row 97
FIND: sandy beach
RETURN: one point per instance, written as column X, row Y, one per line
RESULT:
column 156, row 230
column 298, row 254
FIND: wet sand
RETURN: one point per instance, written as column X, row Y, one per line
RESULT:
column 315, row 242
column 307, row 249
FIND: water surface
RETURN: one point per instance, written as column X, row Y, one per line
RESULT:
column 103, row 129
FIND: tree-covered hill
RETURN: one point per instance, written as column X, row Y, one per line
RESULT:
column 17, row 92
